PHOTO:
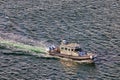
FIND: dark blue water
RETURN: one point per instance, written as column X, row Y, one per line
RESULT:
column 95, row 24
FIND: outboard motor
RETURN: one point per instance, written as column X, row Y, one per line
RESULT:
column 50, row 48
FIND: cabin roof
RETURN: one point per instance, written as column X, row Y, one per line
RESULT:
column 71, row 45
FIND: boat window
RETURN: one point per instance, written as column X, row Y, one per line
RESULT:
column 78, row 49
column 72, row 49
column 62, row 48
column 65, row 48
column 68, row 49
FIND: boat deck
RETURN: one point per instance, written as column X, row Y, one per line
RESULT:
column 71, row 57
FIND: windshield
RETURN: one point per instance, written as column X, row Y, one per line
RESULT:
column 78, row 49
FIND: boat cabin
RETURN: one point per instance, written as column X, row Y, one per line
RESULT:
column 71, row 49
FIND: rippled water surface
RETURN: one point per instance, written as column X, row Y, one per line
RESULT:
column 95, row 24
